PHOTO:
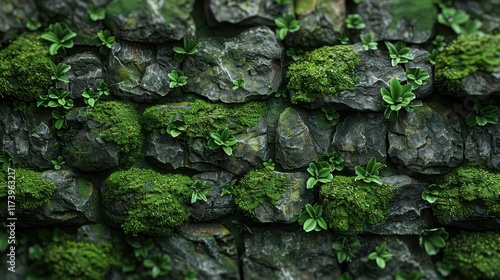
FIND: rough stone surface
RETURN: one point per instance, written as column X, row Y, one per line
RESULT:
column 86, row 71
column 254, row 56
column 478, row 220
column 481, row 84
column 289, row 255
column 13, row 17
column 426, row 140
column 164, row 151
column 253, row 13
column 482, row 145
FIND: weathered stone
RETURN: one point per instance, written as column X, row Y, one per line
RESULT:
column 481, row 84
column 421, row 61
column 274, row 254
column 479, row 219
column 86, row 71
column 247, row 13
column 482, row 145
column 13, row 17
column 426, row 140
column 164, row 151
column 254, row 56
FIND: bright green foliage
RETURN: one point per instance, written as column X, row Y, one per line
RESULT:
column 416, row 77
column 159, row 264
column 103, row 88
column 55, row 98
column 269, row 164
column 189, row 47
column 31, row 190
column 431, row 193
column 433, row 56
column 355, row 21
column 24, row 68
column 176, row 127
column 482, row 115
column 368, row 43
column 60, row 36
column 58, row 71
column 453, row 18
column 286, row 24
column 106, row 41
column 120, row 125
column 350, row 205
column 399, row 52
column 400, row 275
column 476, row 255
column 439, row 43
column 471, row 27
column 295, row 53
column 321, row 172
column 224, row 139
column 381, row 255
column 59, row 118
column 397, row 98
column 6, row 161
column 335, row 160
column 33, row 24
column 90, row 96
column 433, row 240
column 96, row 13
column 177, row 79
column 326, row 70
column 311, row 218
column 464, row 56
column 238, row 83
column 58, row 162
column 199, row 191
column 464, row 187
column 229, row 188
column 370, row 173
column 256, row 187
column 345, row 247
column 159, row 200
column 344, row 39
column 331, row 115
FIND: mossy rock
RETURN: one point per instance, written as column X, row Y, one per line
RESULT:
column 326, row 70
column 476, row 255
column 155, row 203
column 24, row 68
column 349, row 206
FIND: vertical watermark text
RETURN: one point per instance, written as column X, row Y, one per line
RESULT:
column 11, row 219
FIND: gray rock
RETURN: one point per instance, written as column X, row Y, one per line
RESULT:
column 13, row 17
column 209, row 249
column 482, row 145
column 359, row 137
column 486, row 11
column 150, row 21
column 275, row 254
column 86, row 71
column 254, row 56
column 290, row 205
column 249, row 13
column 426, row 140
column 420, row 61
column 164, row 151
column 481, row 84
column 477, row 220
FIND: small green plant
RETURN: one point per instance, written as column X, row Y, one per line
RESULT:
column 60, row 36
column 141, row 246
column 36, row 252
column 368, row 43
column 269, row 164
column 416, row 77
column 346, row 275
column 335, row 160
column 106, row 41
column 96, row 13
column 58, row 162
column 224, row 139
column 295, row 53
column 431, row 193
column 433, row 56
column 238, row 83
column 331, row 115
column 59, row 117
column 471, row 27
column 19, row 105
column 229, row 188
column 399, row 52
column 33, row 24
column 320, row 172
column 482, row 115
column 281, row 94
column 199, row 191
column 311, row 218
column 286, row 24
column 55, row 98
column 397, row 98
column 58, row 71
column 432, row 240
column 6, row 160
column 103, row 88
column 159, row 264
column 439, row 43
column 177, row 79
column 345, row 247
column 344, row 39
column 453, row 18
column 176, row 127
column 189, row 47
column 400, row 275
column 370, row 173
column 381, row 255
column 355, row 21
column 90, row 96
column 444, row 268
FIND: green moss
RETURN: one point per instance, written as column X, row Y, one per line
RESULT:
column 422, row 14
column 258, row 186
column 203, row 118
column 24, row 68
column 327, row 70
column 349, row 206
column 464, row 56
column 463, row 187
column 157, row 202
column 476, row 255
column 120, row 125
column 31, row 191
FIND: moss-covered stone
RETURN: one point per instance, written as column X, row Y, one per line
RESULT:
column 349, row 206
column 156, row 202
column 463, row 187
column 464, row 56
column 326, row 70
column 120, row 125
column 24, row 68
column 422, row 14
column 476, row 255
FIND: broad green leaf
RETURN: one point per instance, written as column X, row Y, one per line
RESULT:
column 322, row 223
column 380, row 262
column 311, row 182
column 310, row 225
column 227, row 150
column 310, row 210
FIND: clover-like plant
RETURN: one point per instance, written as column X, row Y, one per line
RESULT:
column 224, row 139
column 331, row 115
column 106, row 40
column 19, row 105
column 433, row 240
column 96, row 13
column 345, row 247
column 400, row 275
column 281, row 94
column 58, row 162
column 159, row 264
column 320, row 172
column 311, row 218
column 229, row 188
column 355, row 21
column 269, row 164
column 177, row 79
column 189, row 47
column 368, row 43
column 431, row 193
column 58, row 71
column 370, row 173
column 238, row 83
column 6, row 161
column 33, row 24
column 176, row 127
column 199, row 191
column 344, row 39
column 399, row 52
column 103, row 88
column 295, row 53
column 140, row 246
column 439, row 43
column 60, row 36
column 397, row 98
column 335, row 160
column 482, row 115
column 286, row 24
column 90, row 97
column 453, row 18
column 381, row 255
column 471, row 27
column 55, row 98
column 433, row 56
column 59, row 117
column 416, row 77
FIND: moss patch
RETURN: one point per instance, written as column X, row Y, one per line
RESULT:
column 157, row 202
column 349, row 206
column 464, row 56
column 422, row 13
column 327, row 70
column 24, row 68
